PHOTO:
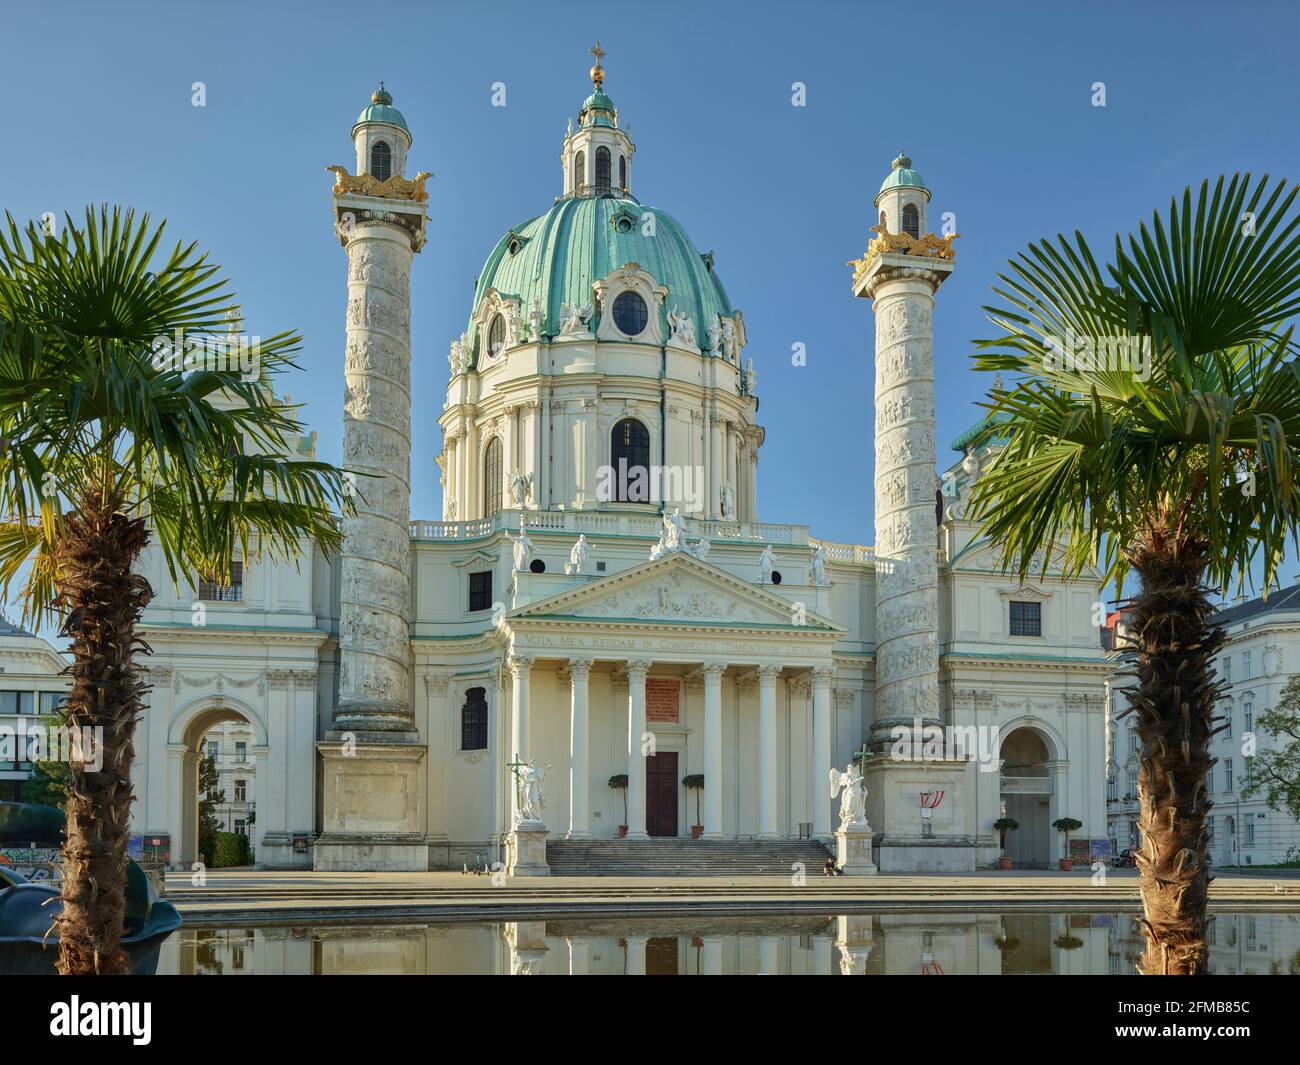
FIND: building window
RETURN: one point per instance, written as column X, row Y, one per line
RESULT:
column 241, row 750
column 1112, row 787
column 622, row 172
column 579, row 171
column 629, row 451
column 1227, row 768
column 1245, row 665
column 241, row 827
column 630, row 314
column 1227, row 720
column 1134, row 837
column 496, row 335
column 1209, row 781
column 241, row 791
column 911, row 220
column 473, row 721
column 602, row 170
column 1248, row 715
column 1250, row 831
column 492, row 478
column 1209, row 834
column 480, row 590
column 50, row 701
column 381, row 161
column 214, row 591
column 1227, row 668
column 1026, row 618
column 1133, row 740
column 17, row 703
column 214, row 749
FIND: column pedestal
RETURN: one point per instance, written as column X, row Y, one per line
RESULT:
column 526, row 850
column 374, row 808
column 853, row 850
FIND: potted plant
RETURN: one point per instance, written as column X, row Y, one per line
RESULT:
column 619, row 782
column 1068, row 942
column 695, row 782
column 1005, row 825
column 1066, row 825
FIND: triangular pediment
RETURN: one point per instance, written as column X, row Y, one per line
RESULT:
column 674, row 590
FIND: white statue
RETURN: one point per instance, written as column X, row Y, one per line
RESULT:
column 683, row 329
column 715, row 335
column 728, row 500
column 573, row 320
column 451, row 508
column 532, row 790
column 751, row 378
column 729, row 339
column 766, row 561
column 702, row 547
column 674, row 530
column 454, row 358
column 852, row 790
column 523, row 548
column 535, row 320
column 578, row 556
column 819, row 567
column 521, row 486
column 515, row 319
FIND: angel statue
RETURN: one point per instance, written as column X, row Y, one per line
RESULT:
column 535, row 320
column 523, row 547
column 819, row 566
column 852, row 790
column 766, row 561
column 521, row 486
column 675, row 530
column 532, row 790
column 578, row 556
column 573, row 320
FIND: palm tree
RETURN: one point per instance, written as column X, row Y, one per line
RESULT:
column 104, row 446
column 1153, row 422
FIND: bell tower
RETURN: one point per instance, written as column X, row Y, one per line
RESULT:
column 372, row 757
column 597, row 156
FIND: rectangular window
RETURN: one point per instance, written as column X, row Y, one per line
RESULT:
column 50, row 701
column 1227, row 668
column 240, row 828
column 1250, row 831
column 1245, row 665
column 27, row 702
column 1133, row 740
column 1227, row 768
column 241, row 751
column 1026, row 618
column 1112, row 788
column 216, row 592
column 214, row 749
column 474, row 721
column 241, row 791
column 17, row 703
column 1209, row 835
column 1250, row 720
column 1209, row 781
column 480, row 590
column 1227, row 720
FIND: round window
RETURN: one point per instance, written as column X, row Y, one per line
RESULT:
column 630, row 314
column 496, row 335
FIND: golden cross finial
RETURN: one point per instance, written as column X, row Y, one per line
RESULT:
column 597, row 72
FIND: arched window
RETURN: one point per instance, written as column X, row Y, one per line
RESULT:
column 884, row 221
column 496, row 335
column 579, row 171
column 474, row 721
column 492, row 478
column 381, row 161
column 622, row 172
column 629, row 459
column 602, row 170
column 911, row 220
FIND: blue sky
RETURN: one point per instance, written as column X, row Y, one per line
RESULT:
column 992, row 101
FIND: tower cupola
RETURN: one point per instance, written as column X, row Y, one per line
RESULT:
column 381, row 138
column 597, row 156
column 902, row 199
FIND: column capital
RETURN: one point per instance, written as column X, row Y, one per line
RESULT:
column 823, row 675
column 768, row 673
column 520, row 663
column 580, row 668
column 713, row 671
column 639, row 665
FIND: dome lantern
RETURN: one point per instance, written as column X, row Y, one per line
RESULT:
column 597, row 156
column 382, row 137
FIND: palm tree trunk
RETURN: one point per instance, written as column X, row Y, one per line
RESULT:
column 103, row 601
column 1174, row 703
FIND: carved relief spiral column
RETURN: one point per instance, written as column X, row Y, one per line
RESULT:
column 902, row 287
column 375, row 597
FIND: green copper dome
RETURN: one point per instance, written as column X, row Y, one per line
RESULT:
column 558, row 255
column 597, row 110
column 903, row 176
column 381, row 109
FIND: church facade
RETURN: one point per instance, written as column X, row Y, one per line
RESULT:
column 600, row 600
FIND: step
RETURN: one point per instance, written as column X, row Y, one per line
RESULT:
column 683, row 857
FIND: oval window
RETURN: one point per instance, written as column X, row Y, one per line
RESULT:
column 496, row 335
column 630, row 314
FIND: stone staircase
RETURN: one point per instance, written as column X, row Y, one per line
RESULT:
column 684, row 857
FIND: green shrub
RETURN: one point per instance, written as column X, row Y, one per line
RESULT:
column 230, row 848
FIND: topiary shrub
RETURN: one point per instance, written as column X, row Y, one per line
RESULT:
column 230, row 848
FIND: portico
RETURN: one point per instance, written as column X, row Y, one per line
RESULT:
column 673, row 668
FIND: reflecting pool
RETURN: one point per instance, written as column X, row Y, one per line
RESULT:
column 932, row 944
